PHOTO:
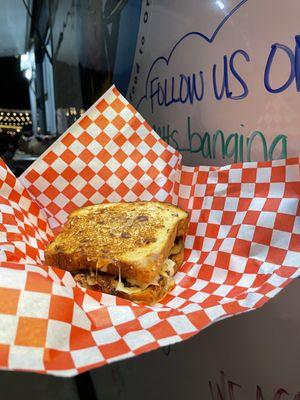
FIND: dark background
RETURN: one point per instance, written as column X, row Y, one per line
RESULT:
column 14, row 86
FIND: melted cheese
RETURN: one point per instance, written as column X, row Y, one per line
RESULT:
column 130, row 290
column 168, row 268
column 167, row 272
column 133, row 282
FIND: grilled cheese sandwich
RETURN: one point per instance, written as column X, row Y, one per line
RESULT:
column 131, row 250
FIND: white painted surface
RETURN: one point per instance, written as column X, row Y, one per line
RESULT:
column 190, row 38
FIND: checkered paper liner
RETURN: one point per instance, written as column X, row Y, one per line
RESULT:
column 241, row 249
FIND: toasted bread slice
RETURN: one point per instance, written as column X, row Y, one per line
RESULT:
column 132, row 240
column 149, row 295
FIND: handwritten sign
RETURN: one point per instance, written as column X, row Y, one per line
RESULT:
column 220, row 80
column 227, row 389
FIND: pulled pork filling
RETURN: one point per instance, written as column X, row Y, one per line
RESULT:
column 130, row 286
column 111, row 284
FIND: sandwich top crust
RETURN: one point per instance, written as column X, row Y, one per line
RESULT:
column 128, row 239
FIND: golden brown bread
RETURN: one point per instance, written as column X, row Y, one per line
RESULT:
column 128, row 241
column 133, row 237
column 108, row 283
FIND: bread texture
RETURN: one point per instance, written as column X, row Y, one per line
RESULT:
column 128, row 241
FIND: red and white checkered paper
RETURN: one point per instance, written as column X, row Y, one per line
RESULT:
column 241, row 249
